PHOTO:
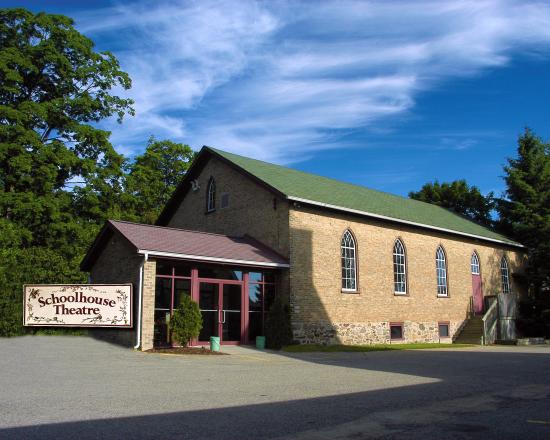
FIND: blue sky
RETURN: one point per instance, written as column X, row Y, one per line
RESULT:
column 384, row 94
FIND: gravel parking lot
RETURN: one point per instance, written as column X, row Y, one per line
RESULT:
column 77, row 387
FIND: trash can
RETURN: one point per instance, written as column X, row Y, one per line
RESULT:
column 214, row 343
column 260, row 342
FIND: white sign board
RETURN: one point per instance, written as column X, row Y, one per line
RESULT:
column 77, row 305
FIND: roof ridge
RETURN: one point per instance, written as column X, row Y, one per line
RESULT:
column 315, row 175
column 363, row 187
column 174, row 229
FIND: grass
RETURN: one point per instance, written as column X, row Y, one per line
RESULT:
column 310, row 348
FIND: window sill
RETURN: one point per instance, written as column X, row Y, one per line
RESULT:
column 352, row 291
column 443, row 296
column 400, row 294
column 210, row 212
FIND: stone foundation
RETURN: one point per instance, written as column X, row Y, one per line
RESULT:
column 365, row 333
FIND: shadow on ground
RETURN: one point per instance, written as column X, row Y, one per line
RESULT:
column 479, row 394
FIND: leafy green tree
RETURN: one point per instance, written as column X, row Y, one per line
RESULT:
column 32, row 265
column 154, row 175
column 459, row 197
column 53, row 89
column 525, row 209
column 186, row 323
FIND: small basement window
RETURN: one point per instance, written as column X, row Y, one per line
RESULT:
column 396, row 331
column 443, row 329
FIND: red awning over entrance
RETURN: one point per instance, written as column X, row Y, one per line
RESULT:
column 189, row 245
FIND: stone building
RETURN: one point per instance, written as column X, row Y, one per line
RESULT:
column 357, row 266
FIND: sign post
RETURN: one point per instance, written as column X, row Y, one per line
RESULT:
column 77, row 305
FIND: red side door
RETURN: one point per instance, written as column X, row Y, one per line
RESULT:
column 477, row 294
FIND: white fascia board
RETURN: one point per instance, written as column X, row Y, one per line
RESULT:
column 211, row 259
column 397, row 220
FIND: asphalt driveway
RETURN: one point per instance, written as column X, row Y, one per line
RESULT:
column 77, row 387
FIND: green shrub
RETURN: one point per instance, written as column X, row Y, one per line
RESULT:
column 11, row 318
column 186, row 323
column 278, row 331
column 36, row 265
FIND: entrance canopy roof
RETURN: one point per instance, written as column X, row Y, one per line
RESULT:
column 158, row 241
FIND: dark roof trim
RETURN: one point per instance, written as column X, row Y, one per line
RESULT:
column 198, row 164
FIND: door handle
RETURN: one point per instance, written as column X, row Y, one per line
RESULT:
column 223, row 322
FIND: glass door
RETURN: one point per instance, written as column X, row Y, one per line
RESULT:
column 209, row 300
column 231, row 313
column 221, row 309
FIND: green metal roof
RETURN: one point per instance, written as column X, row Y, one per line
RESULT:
column 340, row 195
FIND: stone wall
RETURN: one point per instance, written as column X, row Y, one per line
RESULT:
column 118, row 263
column 365, row 333
column 322, row 312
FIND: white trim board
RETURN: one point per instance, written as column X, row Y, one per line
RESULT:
column 397, row 220
column 211, row 259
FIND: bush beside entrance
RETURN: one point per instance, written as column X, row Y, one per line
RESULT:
column 186, row 323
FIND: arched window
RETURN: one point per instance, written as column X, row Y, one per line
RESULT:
column 349, row 274
column 399, row 268
column 441, row 272
column 211, row 195
column 474, row 264
column 504, row 275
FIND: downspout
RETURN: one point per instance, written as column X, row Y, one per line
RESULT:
column 140, row 295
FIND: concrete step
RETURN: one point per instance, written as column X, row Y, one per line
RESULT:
column 472, row 332
column 468, row 341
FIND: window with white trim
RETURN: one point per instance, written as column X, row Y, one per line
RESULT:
column 349, row 263
column 504, row 275
column 211, row 196
column 399, row 268
column 441, row 272
column 474, row 264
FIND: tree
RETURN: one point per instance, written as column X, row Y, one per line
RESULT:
column 32, row 265
column 525, row 209
column 153, row 176
column 53, row 88
column 459, row 197
column 278, row 329
column 186, row 323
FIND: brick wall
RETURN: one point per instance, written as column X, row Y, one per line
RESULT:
column 251, row 208
column 148, row 305
column 118, row 264
column 322, row 313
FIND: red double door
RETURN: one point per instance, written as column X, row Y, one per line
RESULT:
column 222, row 305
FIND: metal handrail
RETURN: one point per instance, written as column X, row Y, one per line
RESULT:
column 471, row 307
column 490, row 320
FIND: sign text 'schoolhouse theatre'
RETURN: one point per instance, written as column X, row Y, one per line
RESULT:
column 78, row 305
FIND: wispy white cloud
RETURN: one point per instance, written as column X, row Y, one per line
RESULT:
column 280, row 80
